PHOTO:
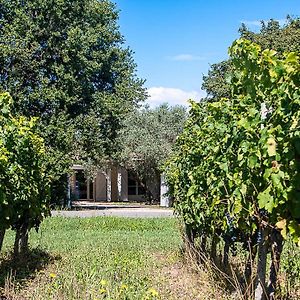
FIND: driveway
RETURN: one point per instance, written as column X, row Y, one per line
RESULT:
column 87, row 210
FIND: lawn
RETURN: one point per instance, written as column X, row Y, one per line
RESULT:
column 96, row 258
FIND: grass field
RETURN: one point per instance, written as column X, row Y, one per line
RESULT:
column 115, row 258
column 100, row 258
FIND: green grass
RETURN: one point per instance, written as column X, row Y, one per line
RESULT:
column 119, row 258
column 93, row 258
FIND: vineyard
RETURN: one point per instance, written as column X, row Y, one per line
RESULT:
column 235, row 171
column 71, row 99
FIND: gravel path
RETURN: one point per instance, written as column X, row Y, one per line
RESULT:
column 127, row 212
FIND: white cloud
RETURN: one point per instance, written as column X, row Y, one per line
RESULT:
column 186, row 57
column 172, row 96
column 257, row 23
column 251, row 23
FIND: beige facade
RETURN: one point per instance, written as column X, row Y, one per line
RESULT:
column 112, row 185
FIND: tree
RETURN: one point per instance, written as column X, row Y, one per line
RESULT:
column 215, row 83
column 234, row 173
column 271, row 36
column 24, row 181
column 64, row 62
column 146, row 142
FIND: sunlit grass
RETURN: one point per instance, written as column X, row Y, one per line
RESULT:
column 97, row 258
column 109, row 258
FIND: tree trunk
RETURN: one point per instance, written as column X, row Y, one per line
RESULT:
column 21, row 240
column 152, row 186
column 276, row 249
column 260, row 287
column 24, row 239
column 202, row 249
column 2, row 234
column 17, row 243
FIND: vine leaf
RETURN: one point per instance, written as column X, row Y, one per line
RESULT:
column 281, row 225
column 294, row 230
column 265, row 200
column 271, row 146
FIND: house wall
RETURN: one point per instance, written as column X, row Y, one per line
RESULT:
column 122, row 182
column 114, row 185
column 108, row 185
column 105, row 185
column 100, row 187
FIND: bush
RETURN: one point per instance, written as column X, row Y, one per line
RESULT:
column 24, row 183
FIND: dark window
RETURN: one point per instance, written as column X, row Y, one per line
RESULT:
column 132, row 190
column 81, row 185
column 134, row 187
column 91, row 190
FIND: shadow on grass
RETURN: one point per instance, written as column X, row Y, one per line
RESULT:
column 19, row 269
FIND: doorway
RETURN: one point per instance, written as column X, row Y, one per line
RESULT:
column 84, row 186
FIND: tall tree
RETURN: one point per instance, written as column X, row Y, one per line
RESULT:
column 146, row 142
column 64, row 61
column 271, row 36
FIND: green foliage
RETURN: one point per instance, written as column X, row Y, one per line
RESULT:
column 231, row 159
column 215, row 82
column 191, row 172
column 242, row 179
column 64, row 62
column 235, row 173
column 271, row 36
column 24, row 181
column 146, row 141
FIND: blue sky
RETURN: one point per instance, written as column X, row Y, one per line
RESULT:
column 175, row 41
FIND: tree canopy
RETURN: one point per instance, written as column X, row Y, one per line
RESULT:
column 65, row 62
column 271, row 36
column 146, row 142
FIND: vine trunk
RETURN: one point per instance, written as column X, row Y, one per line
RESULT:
column 276, row 250
column 2, row 234
column 21, row 240
column 260, row 286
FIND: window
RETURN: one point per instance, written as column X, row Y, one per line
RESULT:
column 134, row 187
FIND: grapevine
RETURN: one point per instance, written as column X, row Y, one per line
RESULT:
column 235, row 171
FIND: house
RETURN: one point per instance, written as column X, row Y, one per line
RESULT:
column 112, row 185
